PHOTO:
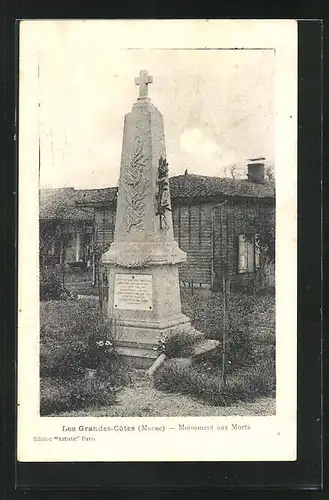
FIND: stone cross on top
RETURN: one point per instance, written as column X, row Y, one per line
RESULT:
column 143, row 80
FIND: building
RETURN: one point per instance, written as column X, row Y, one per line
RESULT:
column 215, row 222
column 66, row 230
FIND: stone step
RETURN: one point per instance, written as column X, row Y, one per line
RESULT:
column 144, row 345
column 137, row 351
column 137, row 357
column 204, row 350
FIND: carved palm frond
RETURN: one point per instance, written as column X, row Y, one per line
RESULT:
column 136, row 184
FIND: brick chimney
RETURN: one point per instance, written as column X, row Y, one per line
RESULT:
column 256, row 170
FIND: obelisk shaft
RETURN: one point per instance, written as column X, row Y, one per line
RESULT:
column 144, row 294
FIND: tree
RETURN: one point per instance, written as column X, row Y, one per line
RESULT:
column 270, row 173
column 233, row 171
column 49, row 235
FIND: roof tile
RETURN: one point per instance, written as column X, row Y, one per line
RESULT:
column 76, row 204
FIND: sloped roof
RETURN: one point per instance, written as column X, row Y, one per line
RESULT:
column 108, row 195
column 60, row 204
column 102, row 196
column 195, row 187
column 190, row 186
column 77, row 204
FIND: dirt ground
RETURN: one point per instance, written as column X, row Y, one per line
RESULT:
column 141, row 399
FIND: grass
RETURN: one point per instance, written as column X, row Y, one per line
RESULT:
column 250, row 350
column 205, row 308
column 245, row 385
column 142, row 399
column 80, row 281
column 58, row 395
column 75, row 336
column 250, row 386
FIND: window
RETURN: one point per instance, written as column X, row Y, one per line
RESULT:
column 248, row 253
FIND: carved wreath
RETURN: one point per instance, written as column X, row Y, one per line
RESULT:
column 162, row 193
column 136, row 184
column 132, row 263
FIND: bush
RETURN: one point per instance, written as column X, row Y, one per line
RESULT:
column 250, row 349
column 75, row 336
column 57, row 397
column 180, row 344
column 51, row 285
column 262, row 379
column 243, row 350
column 243, row 386
column 205, row 309
column 240, row 349
column 82, row 340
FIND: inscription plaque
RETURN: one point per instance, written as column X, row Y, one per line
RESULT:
column 133, row 291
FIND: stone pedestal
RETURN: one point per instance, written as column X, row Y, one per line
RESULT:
column 144, row 296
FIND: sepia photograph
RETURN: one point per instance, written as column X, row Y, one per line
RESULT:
column 156, row 250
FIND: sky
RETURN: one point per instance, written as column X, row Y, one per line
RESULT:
column 218, row 105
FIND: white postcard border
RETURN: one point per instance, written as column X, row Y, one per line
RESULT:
column 269, row 438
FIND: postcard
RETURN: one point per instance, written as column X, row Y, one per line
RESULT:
column 157, row 262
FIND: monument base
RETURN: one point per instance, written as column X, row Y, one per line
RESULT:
column 137, row 343
column 144, row 307
column 136, row 357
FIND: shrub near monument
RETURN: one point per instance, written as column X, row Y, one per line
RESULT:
column 250, row 352
column 75, row 339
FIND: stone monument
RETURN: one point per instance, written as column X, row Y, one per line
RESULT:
column 144, row 295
